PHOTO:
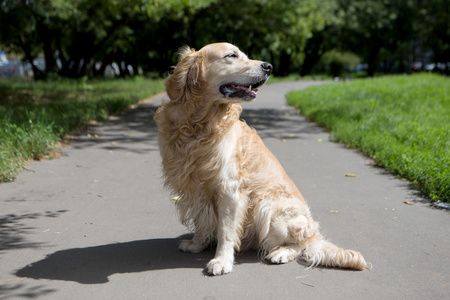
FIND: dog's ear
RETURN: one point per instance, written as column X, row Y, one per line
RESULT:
column 187, row 80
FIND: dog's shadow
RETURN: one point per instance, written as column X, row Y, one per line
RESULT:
column 93, row 265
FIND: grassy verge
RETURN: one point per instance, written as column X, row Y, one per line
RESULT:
column 34, row 116
column 403, row 122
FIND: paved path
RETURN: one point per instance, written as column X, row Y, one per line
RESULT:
column 97, row 223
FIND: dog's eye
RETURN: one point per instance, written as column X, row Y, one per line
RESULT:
column 234, row 55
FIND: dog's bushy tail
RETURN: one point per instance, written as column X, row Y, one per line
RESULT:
column 319, row 252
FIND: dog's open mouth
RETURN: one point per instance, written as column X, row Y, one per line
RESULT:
column 245, row 92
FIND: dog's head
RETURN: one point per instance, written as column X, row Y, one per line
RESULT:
column 219, row 72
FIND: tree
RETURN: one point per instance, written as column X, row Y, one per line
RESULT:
column 268, row 29
column 321, row 41
column 90, row 31
column 80, row 33
column 18, row 31
column 81, row 37
column 373, row 25
column 433, row 30
column 380, row 31
column 76, row 33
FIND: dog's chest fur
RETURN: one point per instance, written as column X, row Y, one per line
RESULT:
column 201, row 163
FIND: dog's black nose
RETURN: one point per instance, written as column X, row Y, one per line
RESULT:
column 267, row 67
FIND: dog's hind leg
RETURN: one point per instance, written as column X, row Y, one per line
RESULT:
column 196, row 245
column 282, row 226
column 294, row 233
column 284, row 254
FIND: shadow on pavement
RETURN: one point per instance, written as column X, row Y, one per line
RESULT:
column 93, row 265
column 135, row 131
column 13, row 229
column 279, row 123
column 21, row 291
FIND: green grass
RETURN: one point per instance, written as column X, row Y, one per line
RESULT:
column 402, row 122
column 34, row 116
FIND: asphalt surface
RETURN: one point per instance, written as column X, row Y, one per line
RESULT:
column 96, row 223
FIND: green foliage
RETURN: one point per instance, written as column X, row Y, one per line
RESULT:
column 402, row 122
column 339, row 63
column 270, row 29
column 433, row 23
column 80, row 38
column 34, row 116
column 147, row 33
column 373, row 25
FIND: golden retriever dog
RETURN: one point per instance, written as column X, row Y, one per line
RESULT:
column 229, row 187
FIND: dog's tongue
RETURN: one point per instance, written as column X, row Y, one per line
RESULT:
column 247, row 89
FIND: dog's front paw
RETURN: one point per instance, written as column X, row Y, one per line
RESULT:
column 219, row 267
column 190, row 246
column 282, row 255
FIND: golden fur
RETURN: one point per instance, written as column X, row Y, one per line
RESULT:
column 230, row 187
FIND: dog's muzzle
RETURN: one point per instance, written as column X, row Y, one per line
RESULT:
column 247, row 91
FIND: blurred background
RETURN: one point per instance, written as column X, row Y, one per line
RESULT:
column 120, row 38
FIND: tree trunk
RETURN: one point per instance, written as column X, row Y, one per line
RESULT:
column 284, row 67
column 313, row 53
column 26, row 48
column 372, row 60
column 46, row 37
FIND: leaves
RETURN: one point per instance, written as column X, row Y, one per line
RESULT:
column 176, row 198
